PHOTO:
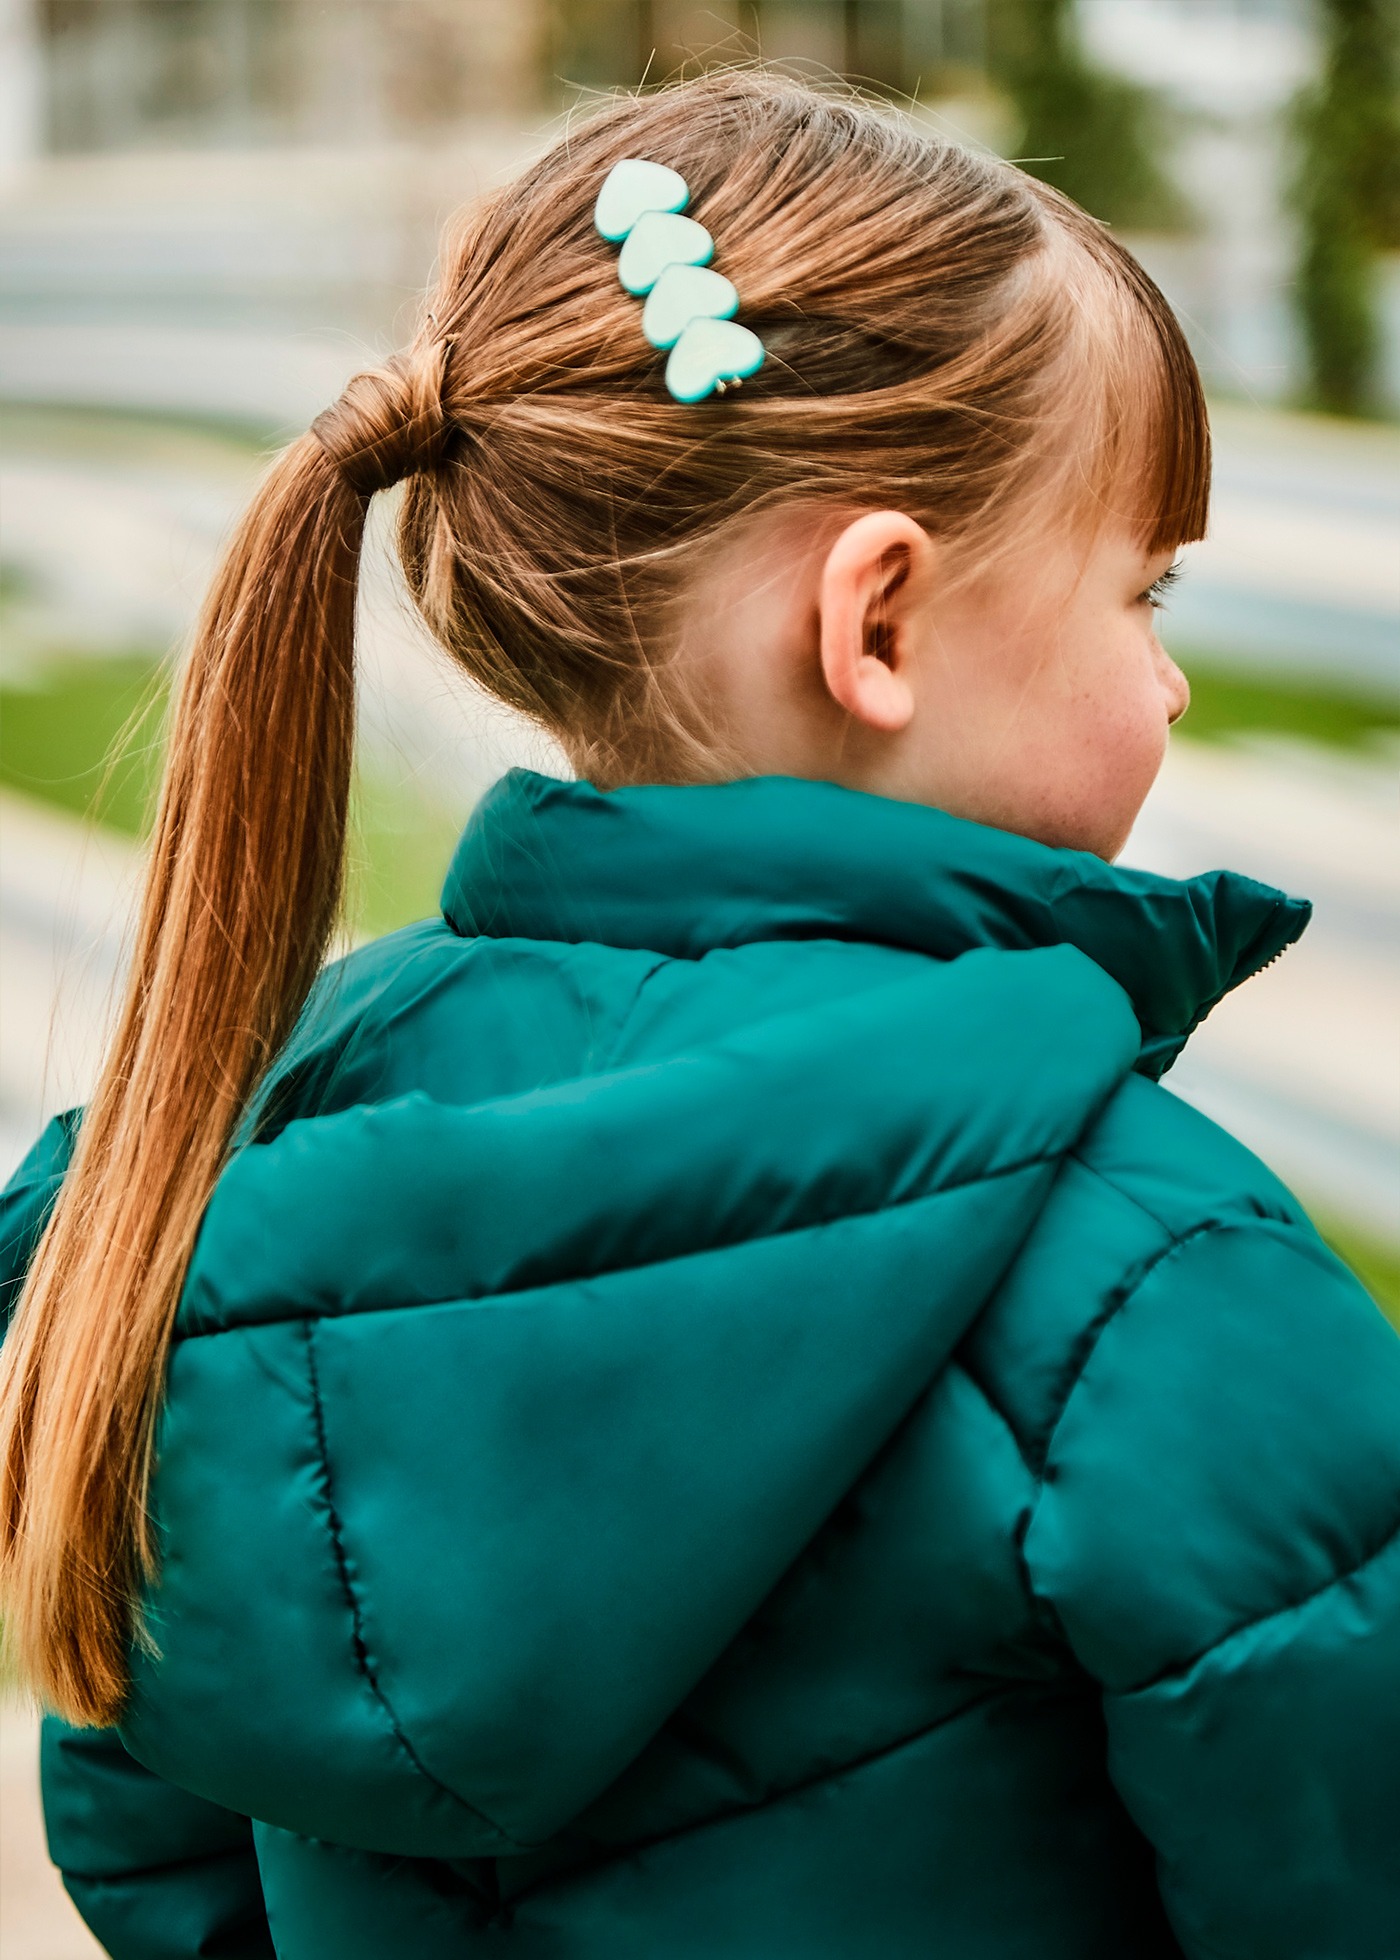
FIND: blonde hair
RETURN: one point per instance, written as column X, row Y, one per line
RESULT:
column 943, row 333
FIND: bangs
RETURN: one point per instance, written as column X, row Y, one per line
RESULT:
column 1163, row 485
column 1128, row 385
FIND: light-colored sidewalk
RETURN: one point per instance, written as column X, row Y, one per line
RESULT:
column 1302, row 1062
column 67, row 896
column 37, row 1918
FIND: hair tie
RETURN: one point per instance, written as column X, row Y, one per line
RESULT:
column 388, row 422
column 665, row 258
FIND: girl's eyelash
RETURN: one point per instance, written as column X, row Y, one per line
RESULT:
column 1156, row 593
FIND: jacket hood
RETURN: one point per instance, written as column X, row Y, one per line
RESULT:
column 489, row 1426
column 682, row 871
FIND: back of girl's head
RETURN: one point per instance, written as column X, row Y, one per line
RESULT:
column 943, row 335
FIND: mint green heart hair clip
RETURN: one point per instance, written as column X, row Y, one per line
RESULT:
column 665, row 259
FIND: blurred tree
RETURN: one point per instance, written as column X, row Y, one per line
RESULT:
column 602, row 43
column 1346, row 192
column 1093, row 135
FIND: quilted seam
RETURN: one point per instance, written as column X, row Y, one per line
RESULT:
column 361, row 1648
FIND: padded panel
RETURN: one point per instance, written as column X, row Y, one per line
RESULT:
column 210, row 1906
column 1028, row 1347
column 617, row 1473
column 913, row 1587
column 258, row 1688
column 866, row 1102
column 1177, row 1164
column 1204, row 1472
column 460, row 1020
column 992, row 1834
column 1269, row 1776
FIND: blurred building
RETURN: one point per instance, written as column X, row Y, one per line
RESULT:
column 209, row 73
column 112, row 73
column 336, row 137
column 117, row 73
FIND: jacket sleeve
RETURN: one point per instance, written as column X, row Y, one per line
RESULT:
column 157, row 1874
column 1218, row 1531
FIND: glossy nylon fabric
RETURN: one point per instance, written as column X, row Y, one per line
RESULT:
column 719, row 1410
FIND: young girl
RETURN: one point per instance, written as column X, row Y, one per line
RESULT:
column 705, row 1404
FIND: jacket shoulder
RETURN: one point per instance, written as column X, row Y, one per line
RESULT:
column 1176, row 1165
column 1148, row 1174
column 25, row 1204
column 461, row 1020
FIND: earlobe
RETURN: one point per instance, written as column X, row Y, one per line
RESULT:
column 867, row 588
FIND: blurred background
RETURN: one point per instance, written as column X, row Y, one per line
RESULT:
column 212, row 211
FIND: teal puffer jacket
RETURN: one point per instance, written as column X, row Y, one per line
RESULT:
column 720, row 1413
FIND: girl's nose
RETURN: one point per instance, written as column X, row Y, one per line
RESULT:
column 1176, row 687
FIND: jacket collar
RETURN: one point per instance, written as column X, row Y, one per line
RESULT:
column 683, row 871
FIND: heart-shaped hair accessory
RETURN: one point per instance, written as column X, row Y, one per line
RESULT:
column 632, row 187
column 659, row 239
column 710, row 355
column 684, row 293
column 665, row 258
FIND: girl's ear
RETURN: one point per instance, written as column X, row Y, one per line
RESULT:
column 869, row 585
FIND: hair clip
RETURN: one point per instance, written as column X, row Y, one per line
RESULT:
column 665, row 260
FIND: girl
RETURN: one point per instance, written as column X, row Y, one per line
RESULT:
column 705, row 1403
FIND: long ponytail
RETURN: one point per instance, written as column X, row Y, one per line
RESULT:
column 240, row 900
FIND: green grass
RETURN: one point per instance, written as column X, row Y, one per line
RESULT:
column 1375, row 1263
column 401, row 837
column 96, row 434
column 1227, row 702
column 88, row 738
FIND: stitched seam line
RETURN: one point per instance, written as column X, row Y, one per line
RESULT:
column 660, row 965
column 610, row 1272
column 635, row 1846
column 1121, row 1297
column 361, row 1649
column 1041, row 1610
column 961, row 1362
column 1180, row 1669
column 1119, row 1190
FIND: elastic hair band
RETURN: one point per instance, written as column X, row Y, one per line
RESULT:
column 666, row 259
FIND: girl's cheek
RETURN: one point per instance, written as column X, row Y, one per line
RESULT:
column 1119, row 753
column 1137, row 758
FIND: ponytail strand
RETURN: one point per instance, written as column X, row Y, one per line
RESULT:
column 240, row 900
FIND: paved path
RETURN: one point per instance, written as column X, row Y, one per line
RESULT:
column 37, row 1919
column 1303, row 1062
column 1302, row 565
column 67, row 898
